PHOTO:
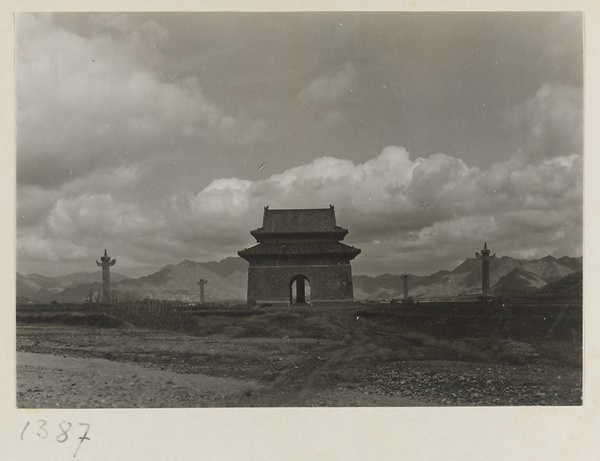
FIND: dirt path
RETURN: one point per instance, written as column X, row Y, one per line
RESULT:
column 288, row 359
column 70, row 382
column 315, row 389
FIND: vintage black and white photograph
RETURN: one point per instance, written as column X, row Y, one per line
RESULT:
column 299, row 209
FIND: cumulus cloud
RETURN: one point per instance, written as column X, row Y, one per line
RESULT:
column 551, row 123
column 530, row 204
column 400, row 210
column 77, row 228
column 99, row 100
column 392, row 201
column 562, row 45
column 110, row 145
column 327, row 88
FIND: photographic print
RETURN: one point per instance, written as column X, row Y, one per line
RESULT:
column 299, row 209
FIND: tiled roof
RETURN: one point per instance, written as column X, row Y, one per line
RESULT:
column 302, row 249
column 299, row 220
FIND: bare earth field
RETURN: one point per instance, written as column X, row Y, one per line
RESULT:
column 357, row 355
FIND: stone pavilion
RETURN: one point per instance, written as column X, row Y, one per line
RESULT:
column 299, row 259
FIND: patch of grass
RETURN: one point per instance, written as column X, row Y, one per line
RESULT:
column 93, row 319
column 474, row 350
column 564, row 350
column 152, row 314
column 443, row 332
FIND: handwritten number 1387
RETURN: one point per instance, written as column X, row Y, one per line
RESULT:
column 63, row 436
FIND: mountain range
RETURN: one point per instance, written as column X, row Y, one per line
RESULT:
column 45, row 289
column 508, row 276
column 227, row 281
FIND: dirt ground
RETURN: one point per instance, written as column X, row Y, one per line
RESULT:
column 278, row 358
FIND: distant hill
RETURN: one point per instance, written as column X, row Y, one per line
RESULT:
column 509, row 273
column 43, row 289
column 567, row 287
column 227, row 266
column 79, row 293
column 227, row 281
column 516, row 282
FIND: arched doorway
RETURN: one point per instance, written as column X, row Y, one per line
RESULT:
column 300, row 290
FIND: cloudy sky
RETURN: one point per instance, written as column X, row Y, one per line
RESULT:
column 161, row 137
